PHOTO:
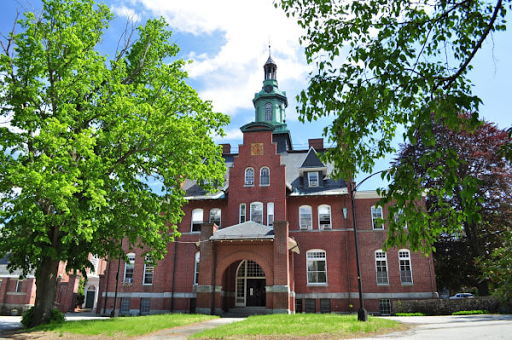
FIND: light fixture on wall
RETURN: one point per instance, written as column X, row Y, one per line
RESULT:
column 345, row 213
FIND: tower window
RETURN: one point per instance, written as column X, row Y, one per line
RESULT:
column 264, row 176
column 269, row 116
column 249, row 176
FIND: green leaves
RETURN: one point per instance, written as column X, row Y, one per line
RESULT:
column 402, row 61
column 89, row 135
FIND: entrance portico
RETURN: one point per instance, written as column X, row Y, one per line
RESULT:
column 246, row 265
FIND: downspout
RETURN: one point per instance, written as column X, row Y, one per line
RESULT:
column 173, row 275
column 214, row 277
column 106, row 284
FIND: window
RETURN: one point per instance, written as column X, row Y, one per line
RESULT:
column 268, row 112
column 400, row 219
column 270, row 214
column 128, row 269
column 249, row 176
column 404, row 257
column 313, row 179
column 325, row 305
column 310, row 305
column 384, row 307
column 381, row 266
column 19, row 286
column 257, row 212
column 197, row 220
column 125, row 305
column 145, row 306
column 196, row 268
column 0, row 283
column 316, row 266
column 215, row 216
column 264, row 176
column 376, row 215
column 305, row 217
column 149, row 270
column 242, row 214
column 324, row 217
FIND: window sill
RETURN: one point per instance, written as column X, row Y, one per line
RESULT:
column 407, row 284
column 317, row 285
column 383, row 284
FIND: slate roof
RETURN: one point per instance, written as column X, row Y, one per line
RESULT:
column 296, row 163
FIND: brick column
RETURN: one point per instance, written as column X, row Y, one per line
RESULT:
column 281, row 288
column 205, row 284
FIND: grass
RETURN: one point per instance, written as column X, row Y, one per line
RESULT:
column 301, row 325
column 131, row 326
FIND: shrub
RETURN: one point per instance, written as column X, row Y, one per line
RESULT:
column 55, row 318
column 470, row 312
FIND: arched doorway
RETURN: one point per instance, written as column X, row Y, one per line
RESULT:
column 250, row 285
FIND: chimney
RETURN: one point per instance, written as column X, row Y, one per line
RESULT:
column 316, row 143
column 226, row 148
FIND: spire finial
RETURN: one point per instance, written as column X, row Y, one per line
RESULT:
column 269, row 48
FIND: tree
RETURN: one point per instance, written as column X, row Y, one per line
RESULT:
column 387, row 65
column 482, row 162
column 498, row 270
column 86, row 136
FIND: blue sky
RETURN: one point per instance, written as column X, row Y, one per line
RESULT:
column 228, row 42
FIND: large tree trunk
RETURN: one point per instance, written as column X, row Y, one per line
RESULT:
column 46, row 283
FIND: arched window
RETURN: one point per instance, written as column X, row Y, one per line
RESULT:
column 324, row 217
column 381, row 266
column 215, row 216
column 264, row 176
column 197, row 220
column 305, row 217
column 128, row 268
column 269, row 114
column 316, row 266
column 249, row 176
column 257, row 212
column 404, row 256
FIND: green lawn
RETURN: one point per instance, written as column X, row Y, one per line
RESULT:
column 275, row 326
column 301, row 325
column 126, row 326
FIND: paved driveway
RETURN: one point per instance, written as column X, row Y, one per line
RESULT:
column 462, row 327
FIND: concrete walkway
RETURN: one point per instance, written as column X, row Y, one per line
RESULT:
column 182, row 333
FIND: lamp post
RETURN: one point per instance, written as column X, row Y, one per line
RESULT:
column 362, row 313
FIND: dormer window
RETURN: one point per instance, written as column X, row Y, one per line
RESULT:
column 313, row 179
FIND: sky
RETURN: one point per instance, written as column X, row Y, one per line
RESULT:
column 228, row 42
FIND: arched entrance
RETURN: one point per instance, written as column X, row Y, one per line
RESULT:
column 250, row 285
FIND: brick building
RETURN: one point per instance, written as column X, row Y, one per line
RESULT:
column 278, row 237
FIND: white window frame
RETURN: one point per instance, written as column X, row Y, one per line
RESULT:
column 313, row 182
column 149, row 272
column 213, row 219
column 197, row 258
column 270, row 214
column 252, row 211
column 249, row 177
column 313, row 258
column 404, row 263
column 264, row 177
column 269, row 112
column 242, row 213
column 130, row 265
column 303, row 225
column 381, row 262
column 19, row 286
column 196, row 214
column 377, row 213
column 321, row 224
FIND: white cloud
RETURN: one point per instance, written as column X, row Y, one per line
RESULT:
column 230, row 76
column 126, row 12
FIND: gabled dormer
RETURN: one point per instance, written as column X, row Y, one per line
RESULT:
column 312, row 170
